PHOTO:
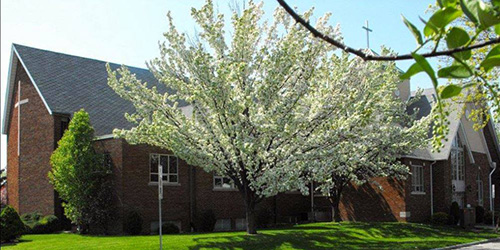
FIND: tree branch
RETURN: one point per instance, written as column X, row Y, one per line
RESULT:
column 367, row 57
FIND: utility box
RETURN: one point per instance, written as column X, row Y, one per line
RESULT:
column 468, row 217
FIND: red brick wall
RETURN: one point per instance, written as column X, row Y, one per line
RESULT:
column 137, row 193
column 419, row 205
column 12, row 157
column 37, row 143
column 114, row 147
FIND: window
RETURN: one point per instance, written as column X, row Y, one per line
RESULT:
column 480, row 197
column 457, row 160
column 169, row 164
column 417, row 179
column 64, row 126
column 223, row 182
column 108, row 163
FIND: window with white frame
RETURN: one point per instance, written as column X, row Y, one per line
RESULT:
column 417, row 179
column 480, row 197
column 169, row 164
column 457, row 160
column 223, row 182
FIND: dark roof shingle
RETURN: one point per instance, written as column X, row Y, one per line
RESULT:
column 69, row 83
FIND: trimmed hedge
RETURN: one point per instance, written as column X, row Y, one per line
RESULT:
column 169, row 228
column 206, row 221
column 454, row 213
column 36, row 224
column 440, row 218
column 11, row 225
column 479, row 214
column 133, row 223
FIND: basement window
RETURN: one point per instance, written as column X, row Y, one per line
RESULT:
column 417, row 179
column 169, row 165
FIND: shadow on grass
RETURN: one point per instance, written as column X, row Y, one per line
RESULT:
column 14, row 243
column 349, row 236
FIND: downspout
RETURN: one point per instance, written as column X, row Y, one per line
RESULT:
column 432, row 191
column 494, row 165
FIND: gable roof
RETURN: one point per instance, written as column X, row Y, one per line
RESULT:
column 68, row 83
column 424, row 107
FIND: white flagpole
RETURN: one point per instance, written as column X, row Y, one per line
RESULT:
column 160, row 197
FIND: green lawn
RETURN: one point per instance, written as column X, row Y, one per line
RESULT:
column 306, row 236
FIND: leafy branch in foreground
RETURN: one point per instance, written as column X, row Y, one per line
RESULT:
column 438, row 29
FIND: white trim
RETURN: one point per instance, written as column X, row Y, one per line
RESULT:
column 8, row 97
column 418, row 193
column 461, row 127
column 420, row 158
column 104, row 137
column 19, row 120
column 171, row 184
column 10, row 82
column 485, row 145
column 32, row 80
column 21, row 102
column 493, row 133
column 219, row 189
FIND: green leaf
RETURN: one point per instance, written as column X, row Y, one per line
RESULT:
column 414, row 30
column 458, row 37
column 440, row 19
column 426, row 67
column 487, row 16
column 491, row 62
column 497, row 29
column 471, row 9
column 412, row 70
column 447, row 3
column 455, row 71
column 450, row 91
column 492, row 59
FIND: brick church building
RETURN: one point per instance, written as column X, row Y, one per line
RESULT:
column 45, row 88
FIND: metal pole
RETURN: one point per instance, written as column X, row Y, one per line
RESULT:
column 313, row 217
column 491, row 193
column 160, row 197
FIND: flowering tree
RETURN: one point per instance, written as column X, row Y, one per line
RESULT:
column 372, row 131
column 462, row 47
column 261, row 101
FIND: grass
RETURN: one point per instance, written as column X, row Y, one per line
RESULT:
column 307, row 236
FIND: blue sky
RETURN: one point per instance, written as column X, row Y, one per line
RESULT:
column 127, row 32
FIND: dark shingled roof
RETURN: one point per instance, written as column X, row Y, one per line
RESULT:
column 69, row 83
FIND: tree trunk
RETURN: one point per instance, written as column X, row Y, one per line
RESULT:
column 335, row 203
column 251, row 226
column 249, row 198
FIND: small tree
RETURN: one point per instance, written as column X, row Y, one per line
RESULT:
column 11, row 226
column 80, row 175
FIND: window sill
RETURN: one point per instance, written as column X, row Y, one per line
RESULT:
column 418, row 193
column 165, row 184
column 224, row 189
